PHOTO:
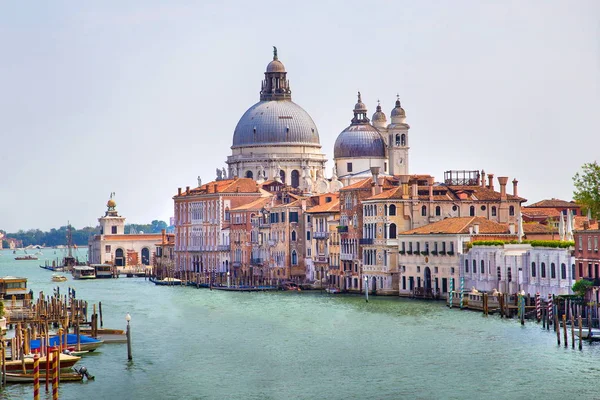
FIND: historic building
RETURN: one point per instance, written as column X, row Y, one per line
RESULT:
column 322, row 250
column 587, row 254
column 113, row 246
column 276, row 139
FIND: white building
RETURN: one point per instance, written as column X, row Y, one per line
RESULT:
column 511, row 268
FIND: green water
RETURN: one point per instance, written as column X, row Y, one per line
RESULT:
column 198, row 344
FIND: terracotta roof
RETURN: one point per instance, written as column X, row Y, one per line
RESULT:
column 481, row 193
column 540, row 212
column 393, row 193
column 579, row 221
column 534, row 227
column 236, row 185
column 253, row 205
column 388, row 183
column 554, row 203
column 460, row 225
column 127, row 238
column 332, row 206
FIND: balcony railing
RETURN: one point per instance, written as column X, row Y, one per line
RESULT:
column 342, row 229
column 321, row 235
column 365, row 241
column 347, row 256
column 224, row 247
column 322, row 259
column 256, row 261
column 236, row 264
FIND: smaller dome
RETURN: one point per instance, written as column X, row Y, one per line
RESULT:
column 379, row 116
column 111, row 203
column 359, row 141
column 275, row 66
column 398, row 111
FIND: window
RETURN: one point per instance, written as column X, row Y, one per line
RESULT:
column 573, row 271
column 113, row 230
column 293, row 236
column 543, row 272
column 397, row 139
column 589, row 243
column 563, row 271
column 295, row 178
column 392, row 210
column 227, row 217
column 511, row 211
column 392, row 231
column 533, row 269
column 349, row 167
column 249, row 174
column 499, row 273
column 403, row 140
column 474, row 266
column 509, row 274
column 580, row 243
column 467, row 266
column 308, row 235
column 424, row 211
column 482, row 267
column 472, row 211
column 493, row 211
column 107, row 248
column 482, row 208
column 294, row 216
column 294, row 258
column 283, row 216
column 552, row 271
column 438, row 211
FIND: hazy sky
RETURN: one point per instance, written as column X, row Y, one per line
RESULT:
column 141, row 97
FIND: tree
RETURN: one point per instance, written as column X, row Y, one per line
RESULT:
column 581, row 286
column 587, row 188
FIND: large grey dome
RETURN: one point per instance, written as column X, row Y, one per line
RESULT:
column 276, row 123
column 359, row 141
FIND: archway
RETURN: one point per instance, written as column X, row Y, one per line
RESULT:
column 119, row 258
column 249, row 174
column 374, row 284
column 427, row 278
column 145, row 256
column 295, row 178
column 282, row 176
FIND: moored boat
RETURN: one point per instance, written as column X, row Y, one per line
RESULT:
column 332, row 290
column 103, row 271
column 166, row 281
column 83, row 272
column 13, row 286
column 87, row 343
column 66, row 361
column 15, row 377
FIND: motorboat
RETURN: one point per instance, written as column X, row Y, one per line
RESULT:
column 58, row 278
column 166, row 281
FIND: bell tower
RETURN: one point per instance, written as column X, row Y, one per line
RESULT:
column 112, row 223
column 398, row 141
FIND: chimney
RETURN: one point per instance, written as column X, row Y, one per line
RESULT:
column 163, row 233
column 215, row 188
column 187, row 190
column 515, row 182
column 511, row 228
column 482, row 178
column 430, row 183
column 178, row 191
column 586, row 225
column 491, row 181
column 404, row 183
column 502, row 180
column 476, row 229
column 415, row 190
column 376, row 184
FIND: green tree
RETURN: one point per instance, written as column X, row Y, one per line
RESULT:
column 581, row 286
column 587, row 188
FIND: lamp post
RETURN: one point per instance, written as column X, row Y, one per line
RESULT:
column 228, row 279
column 128, row 319
column 367, row 289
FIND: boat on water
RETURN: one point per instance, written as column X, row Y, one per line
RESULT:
column 15, row 377
column 69, row 260
column 26, row 257
column 332, row 290
column 66, row 362
column 103, row 271
column 166, row 281
column 58, row 278
column 86, row 343
column 83, row 272
column 13, row 286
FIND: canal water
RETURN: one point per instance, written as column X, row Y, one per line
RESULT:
column 199, row 344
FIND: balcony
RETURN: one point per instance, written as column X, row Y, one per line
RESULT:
column 256, row 261
column 236, row 264
column 342, row 229
column 264, row 224
column 347, row 256
column 224, row 247
column 365, row 241
column 320, row 235
column 322, row 259
column 271, row 242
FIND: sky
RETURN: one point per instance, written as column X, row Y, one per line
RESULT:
column 140, row 97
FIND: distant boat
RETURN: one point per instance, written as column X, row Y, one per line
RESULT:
column 83, row 272
column 27, row 257
column 332, row 290
column 58, row 278
column 166, row 281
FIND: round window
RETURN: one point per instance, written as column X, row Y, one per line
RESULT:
column 482, row 208
column 454, row 208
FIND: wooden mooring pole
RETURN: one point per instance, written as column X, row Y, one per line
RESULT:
column 572, row 331
column 579, row 322
column 564, row 321
column 557, row 328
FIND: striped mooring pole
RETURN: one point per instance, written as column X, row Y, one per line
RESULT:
column 462, row 287
column 550, row 308
column 451, row 292
column 538, row 307
column 55, row 375
column 36, row 377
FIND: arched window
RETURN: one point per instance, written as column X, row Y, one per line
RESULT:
column 474, row 266
column 424, row 211
column 573, row 271
column 552, row 271
column 472, row 211
column 119, row 258
column 509, row 274
column 294, row 257
column 511, row 211
column 403, row 140
column 397, row 139
column 543, row 271
column 533, row 271
column 392, row 209
column 499, row 273
column 295, row 178
column 249, row 174
column 563, row 271
column 385, row 210
column 392, row 231
column 467, row 266
column 493, row 211
column 145, row 256
column 282, row 176
column 482, row 267
column 438, row 211
column 293, row 236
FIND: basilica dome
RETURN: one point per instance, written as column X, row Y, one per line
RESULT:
column 359, row 141
column 276, row 123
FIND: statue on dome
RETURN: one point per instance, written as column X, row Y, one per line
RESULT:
column 224, row 173
column 274, row 53
column 234, row 171
column 219, row 174
column 199, row 181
